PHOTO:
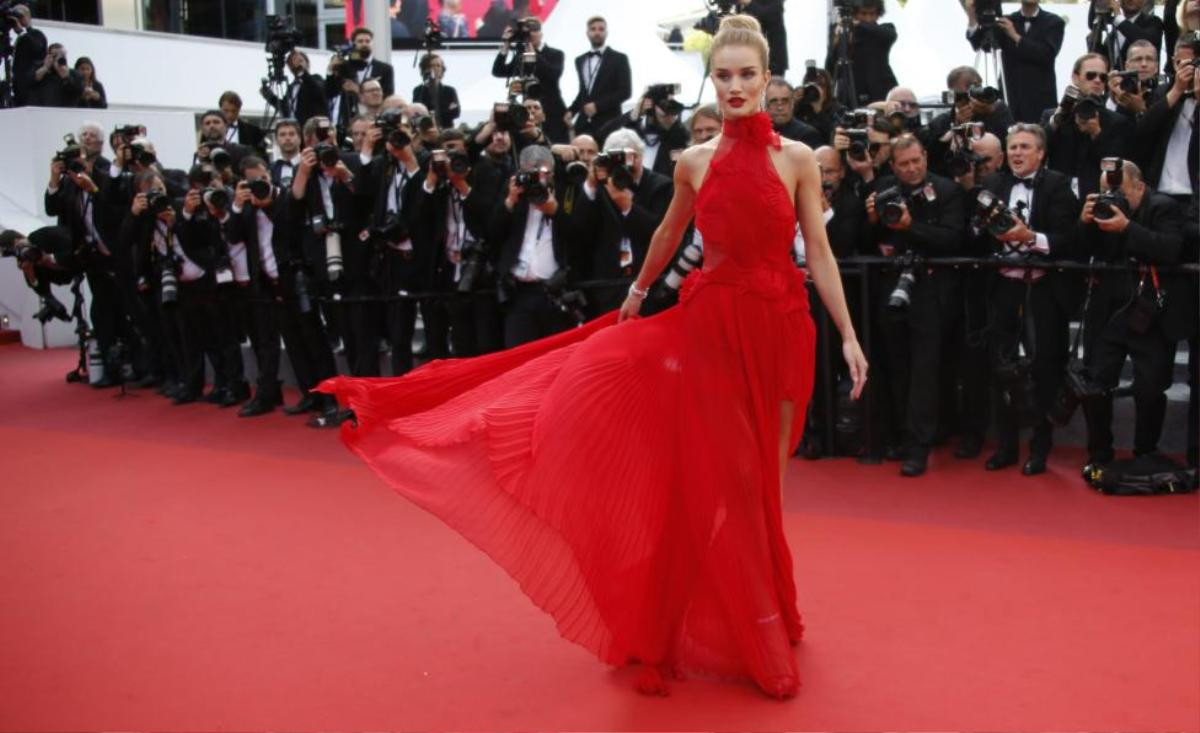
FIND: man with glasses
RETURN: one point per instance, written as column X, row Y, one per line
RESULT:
column 1084, row 131
column 781, row 108
column 1029, row 41
column 1141, row 61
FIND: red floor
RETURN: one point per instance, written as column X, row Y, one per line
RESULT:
column 176, row 568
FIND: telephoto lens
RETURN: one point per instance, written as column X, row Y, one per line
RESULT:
column 333, row 256
column 169, row 282
column 220, row 158
column 901, row 295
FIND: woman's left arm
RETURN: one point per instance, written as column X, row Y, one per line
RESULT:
column 820, row 261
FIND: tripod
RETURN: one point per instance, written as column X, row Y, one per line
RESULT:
column 8, row 86
column 988, row 62
column 843, row 73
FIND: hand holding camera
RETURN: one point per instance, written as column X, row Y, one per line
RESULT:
column 622, row 198
column 241, row 195
column 191, row 202
column 139, row 205
column 308, row 159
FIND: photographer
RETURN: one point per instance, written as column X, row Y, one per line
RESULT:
column 305, row 97
column 525, row 36
column 915, row 214
column 656, row 120
column 782, row 109
column 1133, row 90
column 438, row 97
column 1033, row 218
column 55, row 84
column 29, row 53
column 365, row 66
column 74, row 195
column 533, row 251
column 455, row 212
column 866, row 149
column 211, row 321
column 1129, row 222
column 1168, row 129
column 903, row 109
column 159, row 266
column 322, row 196
column 623, row 204
column 257, row 205
column 605, row 83
column 288, row 139
column 91, row 94
column 1081, row 130
column 770, row 15
column 45, row 257
column 870, row 46
column 815, row 105
column 401, row 249
column 1029, row 41
column 972, row 103
column 214, row 147
column 1119, row 23
column 91, row 139
column 238, row 130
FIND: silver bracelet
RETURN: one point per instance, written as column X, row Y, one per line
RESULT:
column 639, row 292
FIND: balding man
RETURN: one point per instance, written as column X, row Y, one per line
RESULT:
column 902, row 107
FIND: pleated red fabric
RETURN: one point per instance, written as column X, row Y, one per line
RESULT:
column 627, row 475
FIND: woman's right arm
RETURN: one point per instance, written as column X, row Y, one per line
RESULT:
column 668, row 234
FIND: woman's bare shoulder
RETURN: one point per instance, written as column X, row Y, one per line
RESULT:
column 797, row 152
column 693, row 162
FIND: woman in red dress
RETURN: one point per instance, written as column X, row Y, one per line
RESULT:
column 627, row 473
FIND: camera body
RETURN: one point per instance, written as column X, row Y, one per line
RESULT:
column 327, row 154
column 860, row 143
column 392, row 229
column 890, row 203
column 218, row 197
column 992, row 214
column 663, row 97
column 510, row 117
column 282, row 39
column 1087, row 107
column 614, row 165
column 535, row 187
column 71, row 155
column 220, row 158
column 987, row 12
column 157, row 201
column 389, row 122
column 24, row 251
column 260, row 188
column 1108, row 203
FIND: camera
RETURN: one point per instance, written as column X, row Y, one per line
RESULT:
column 168, row 279
column 217, row 196
column 352, row 61
column 444, row 163
column 510, row 117
column 157, row 201
column 23, row 250
column 474, row 265
column 1128, row 80
column 613, row 165
column 535, row 187
column 423, row 124
column 992, row 214
column 954, row 99
column 1088, row 107
column 901, row 295
column 220, row 158
column 1107, row 204
column 327, row 154
column 691, row 258
column 260, row 188
column 1066, row 105
column 282, row 39
column 663, row 97
column 433, row 38
column 1102, row 10
column 890, row 203
column 71, row 155
column 521, row 28
column 390, row 121
column 987, row 12
column 128, row 132
column 962, row 159
column 984, row 94
column 860, row 144
column 142, row 155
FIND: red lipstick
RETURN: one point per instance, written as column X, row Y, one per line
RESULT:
column 736, row 102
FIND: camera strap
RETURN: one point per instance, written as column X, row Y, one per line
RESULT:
column 398, row 184
column 1153, row 272
column 1087, row 299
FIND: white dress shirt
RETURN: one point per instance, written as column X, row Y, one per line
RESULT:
column 536, row 261
column 1174, row 179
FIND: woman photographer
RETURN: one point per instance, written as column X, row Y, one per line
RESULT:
column 815, row 104
column 442, row 100
column 93, row 95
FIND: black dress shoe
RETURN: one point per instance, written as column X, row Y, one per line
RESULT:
column 228, row 399
column 1001, row 459
column 914, row 465
column 256, row 407
column 214, row 396
column 968, row 447
column 893, row 453
column 1035, row 465
column 307, row 403
column 330, row 418
column 184, row 398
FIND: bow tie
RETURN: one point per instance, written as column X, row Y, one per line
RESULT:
column 1027, row 182
column 595, row 53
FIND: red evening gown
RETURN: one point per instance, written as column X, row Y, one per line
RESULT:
column 627, row 475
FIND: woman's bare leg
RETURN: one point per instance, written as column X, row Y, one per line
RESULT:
column 787, row 411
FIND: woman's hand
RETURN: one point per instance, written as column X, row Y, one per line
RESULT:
column 631, row 307
column 853, row 354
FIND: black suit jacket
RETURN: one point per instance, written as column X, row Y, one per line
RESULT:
column 66, row 205
column 1154, row 132
column 434, row 209
column 386, row 75
column 399, row 270
column 446, row 110
column 612, row 87
column 306, row 98
column 56, row 91
column 603, row 225
column 802, row 132
column 1029, row 63
column 770, row 16
column 938, row 227
column 1077, row 155
column 101, row 103
column 29, row 52
column 871, row 45
column 251, row 135
column 548, row 70
column 847, row 229
column 312, row 245
column 506, row 230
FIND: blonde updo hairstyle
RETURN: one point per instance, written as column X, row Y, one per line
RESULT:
column 741, row 30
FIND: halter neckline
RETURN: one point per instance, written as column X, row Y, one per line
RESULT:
column 755, row 128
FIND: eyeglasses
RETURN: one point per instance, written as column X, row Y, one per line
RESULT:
column 1094, row 75
column 779, row 102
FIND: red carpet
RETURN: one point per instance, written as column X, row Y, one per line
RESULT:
column 177, row 568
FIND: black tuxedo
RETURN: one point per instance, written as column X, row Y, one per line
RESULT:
column 29, row 52
column 847, row 230
column 871, row 45
column 770, row 16
column 445, row 108
column 602, row 227
column 1051, row 304
column 384, row 72
column 1078, row 156
column 548, row 70
column 1028, row 63
column 529, row 313
column 1144, row 27
column 1154, row 131
column 1153, row 237
column 305, row 98
column 612, row 86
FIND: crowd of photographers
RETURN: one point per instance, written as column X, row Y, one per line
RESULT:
column 370, row 210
